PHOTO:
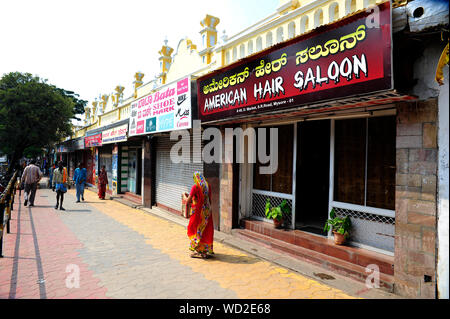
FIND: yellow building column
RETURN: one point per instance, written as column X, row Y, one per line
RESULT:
column 117, row 95
column 104, row 101
column 94, row 111
column 209, row 37
column 138, row 82
column 87, row 115
column 165, row 60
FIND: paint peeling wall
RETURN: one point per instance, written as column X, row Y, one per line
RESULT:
column 425, row 71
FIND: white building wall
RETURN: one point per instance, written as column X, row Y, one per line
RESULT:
column 443, row 189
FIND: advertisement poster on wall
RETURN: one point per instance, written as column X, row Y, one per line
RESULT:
column 167, row 109
column 350, row 57
column 95, row 163
column 115, row 162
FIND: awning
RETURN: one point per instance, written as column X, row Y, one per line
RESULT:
column 380, row 100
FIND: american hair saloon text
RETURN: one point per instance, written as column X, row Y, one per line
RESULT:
column 353, row 57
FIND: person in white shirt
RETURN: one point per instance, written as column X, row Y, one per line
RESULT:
column 31, row 177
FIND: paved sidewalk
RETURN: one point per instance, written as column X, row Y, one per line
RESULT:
column 123, row 252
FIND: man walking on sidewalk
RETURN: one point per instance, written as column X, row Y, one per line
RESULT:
column 79, row 178
column 59, row 183
column 31, row 177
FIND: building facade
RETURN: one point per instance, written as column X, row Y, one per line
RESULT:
column 361, row 130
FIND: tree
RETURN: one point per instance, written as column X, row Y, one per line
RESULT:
column 78, row 104
column 33, row 114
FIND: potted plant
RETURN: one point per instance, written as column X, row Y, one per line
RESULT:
column 277, row 213
column 339, row 226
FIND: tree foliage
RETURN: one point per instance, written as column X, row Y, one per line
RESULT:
column 34, row 114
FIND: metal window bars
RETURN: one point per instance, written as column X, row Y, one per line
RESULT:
column 259, row 204
column 369, row 229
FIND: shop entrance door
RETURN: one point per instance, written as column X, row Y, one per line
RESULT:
column 312, row 184
column 132, row 170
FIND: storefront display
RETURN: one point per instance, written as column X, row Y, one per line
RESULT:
column 342, row 162
column 105, row 159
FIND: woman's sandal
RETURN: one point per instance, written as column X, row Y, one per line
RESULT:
column 199, row 255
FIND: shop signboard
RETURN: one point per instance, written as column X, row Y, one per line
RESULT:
column 78, row 144
column 167, row 109
column 62, row 148
column 343, row 59
column 115, row 135
column 93, row 140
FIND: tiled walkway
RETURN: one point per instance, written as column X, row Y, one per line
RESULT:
column 104, row 249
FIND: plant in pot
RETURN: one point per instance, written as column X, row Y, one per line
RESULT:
column 277, row 213
column 339, row 226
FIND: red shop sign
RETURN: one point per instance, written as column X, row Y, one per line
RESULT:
column 347, row 58
column 93, row 140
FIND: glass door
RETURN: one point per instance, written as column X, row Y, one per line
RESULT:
column 312, row 185
column 132, row 170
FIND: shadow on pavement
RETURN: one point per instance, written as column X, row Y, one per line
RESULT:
column 79, row 210
column 87, row 202
column 232, row 259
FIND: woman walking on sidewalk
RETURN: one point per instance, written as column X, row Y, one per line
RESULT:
column 200, row 229
column 59, row 184
column 102, row 182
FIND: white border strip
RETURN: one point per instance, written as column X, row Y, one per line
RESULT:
column 272, row 194
column 365, row 209
column 371, row 248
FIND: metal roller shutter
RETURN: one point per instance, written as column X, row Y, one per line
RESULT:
column 172, row 179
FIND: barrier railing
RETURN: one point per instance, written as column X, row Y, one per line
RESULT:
column 6, row 206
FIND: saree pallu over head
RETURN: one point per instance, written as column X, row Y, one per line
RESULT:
column 200, row 228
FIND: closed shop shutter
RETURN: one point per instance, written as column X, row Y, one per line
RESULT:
column 172, row 179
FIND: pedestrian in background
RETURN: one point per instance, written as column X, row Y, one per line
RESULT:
column 31, row 177
column 200, row 229
column 59, row 184
column 79, row 178
column 102, row 182
column 50, row 177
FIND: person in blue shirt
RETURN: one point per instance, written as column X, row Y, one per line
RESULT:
column 79, row 178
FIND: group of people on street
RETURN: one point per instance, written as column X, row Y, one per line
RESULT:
column 59, row 178
column 200, row 229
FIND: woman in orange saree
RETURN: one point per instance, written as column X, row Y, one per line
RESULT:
column 200, row 229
